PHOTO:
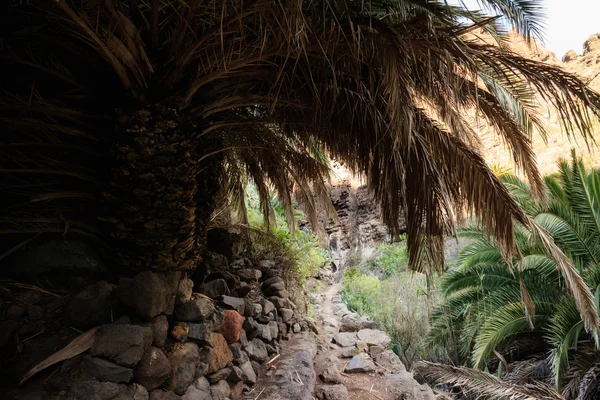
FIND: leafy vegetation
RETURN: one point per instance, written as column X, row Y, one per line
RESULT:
column 514, row 316
column 299, row 248
column 396, row 300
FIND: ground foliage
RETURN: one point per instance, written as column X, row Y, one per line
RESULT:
column 513, row 317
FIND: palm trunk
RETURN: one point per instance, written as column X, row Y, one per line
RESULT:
column 152, row 204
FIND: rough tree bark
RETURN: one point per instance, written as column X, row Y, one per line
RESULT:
column 159, row 200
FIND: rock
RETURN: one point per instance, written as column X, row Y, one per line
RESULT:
column 331, row 375
column 360, row 363
column 362, row 346
column 279, row 303
column 283, row 330
column 255, row 367
column 376, row 350
column 94, row 390
column 345, row 339
column 390, row 361
column 221, row 374
column 124, row 344
column 266, row 264
column 104, row 370
column 271, row 281
column 242, row 290
column 267, row 307
column 248, row 373
column 243, row 339
column 202, row 369
column 235, row 303
column 154, row 369
column 263, row 319
column 217, row 319
column 257, row 351
column 312, row 325
column 199, row 390
column 149, row 293
column 239, row 355
column 91, row 306
column 282, row 293
column 184, row 292
column 195, row 310
column 160, row 330
column 374, row 337
column 274, row 329
column 570, row 56
column 160, row 394
column 264, row 332
column 200, row 333
column 236, row 389
column 232, row 326
column 273, row 288
column 183, row 361
column 252, row 309
column 218, row 356
column 403, row 386
column 296, row 328
column 180, row 331
column 232, row 280
column 215, row 289
column 286, row 314
column 333, row 392
column 220, row 391
column 250, row 275
column 235, row 374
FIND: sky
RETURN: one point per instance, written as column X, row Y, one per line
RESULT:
column 569, row 23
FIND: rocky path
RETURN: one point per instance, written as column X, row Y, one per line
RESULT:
column 353, row 361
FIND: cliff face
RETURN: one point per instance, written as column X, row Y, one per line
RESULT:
column 557, row 143
column 358, row 229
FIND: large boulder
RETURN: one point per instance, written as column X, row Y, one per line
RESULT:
column 104, row 370
column 257, row 350
column 345, row 339
column 124, row 344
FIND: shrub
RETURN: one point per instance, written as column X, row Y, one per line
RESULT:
column 398, row 305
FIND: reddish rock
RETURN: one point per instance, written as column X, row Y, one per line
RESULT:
column 180, row 332
column 232, row 326
column 218, row 356
column 154, row 369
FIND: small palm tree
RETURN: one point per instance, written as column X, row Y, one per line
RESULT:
column 496, row 309
column 137, row 112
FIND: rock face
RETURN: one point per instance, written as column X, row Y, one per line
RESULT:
column 360, row 228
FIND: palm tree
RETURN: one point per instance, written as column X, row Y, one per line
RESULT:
column 495, row 310
column 138, row 111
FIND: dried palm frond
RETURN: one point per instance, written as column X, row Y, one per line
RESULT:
column 483, row 384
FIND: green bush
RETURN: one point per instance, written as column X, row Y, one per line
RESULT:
column 398, row 305
column 391, row 259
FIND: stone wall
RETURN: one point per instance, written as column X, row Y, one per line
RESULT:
column 154, row 335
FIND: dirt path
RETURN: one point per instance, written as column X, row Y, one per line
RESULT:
column 384, row 378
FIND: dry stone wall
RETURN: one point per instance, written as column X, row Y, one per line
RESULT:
column 158, row 336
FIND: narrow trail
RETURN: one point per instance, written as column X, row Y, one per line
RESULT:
column 347, row 359
column 353, row 361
